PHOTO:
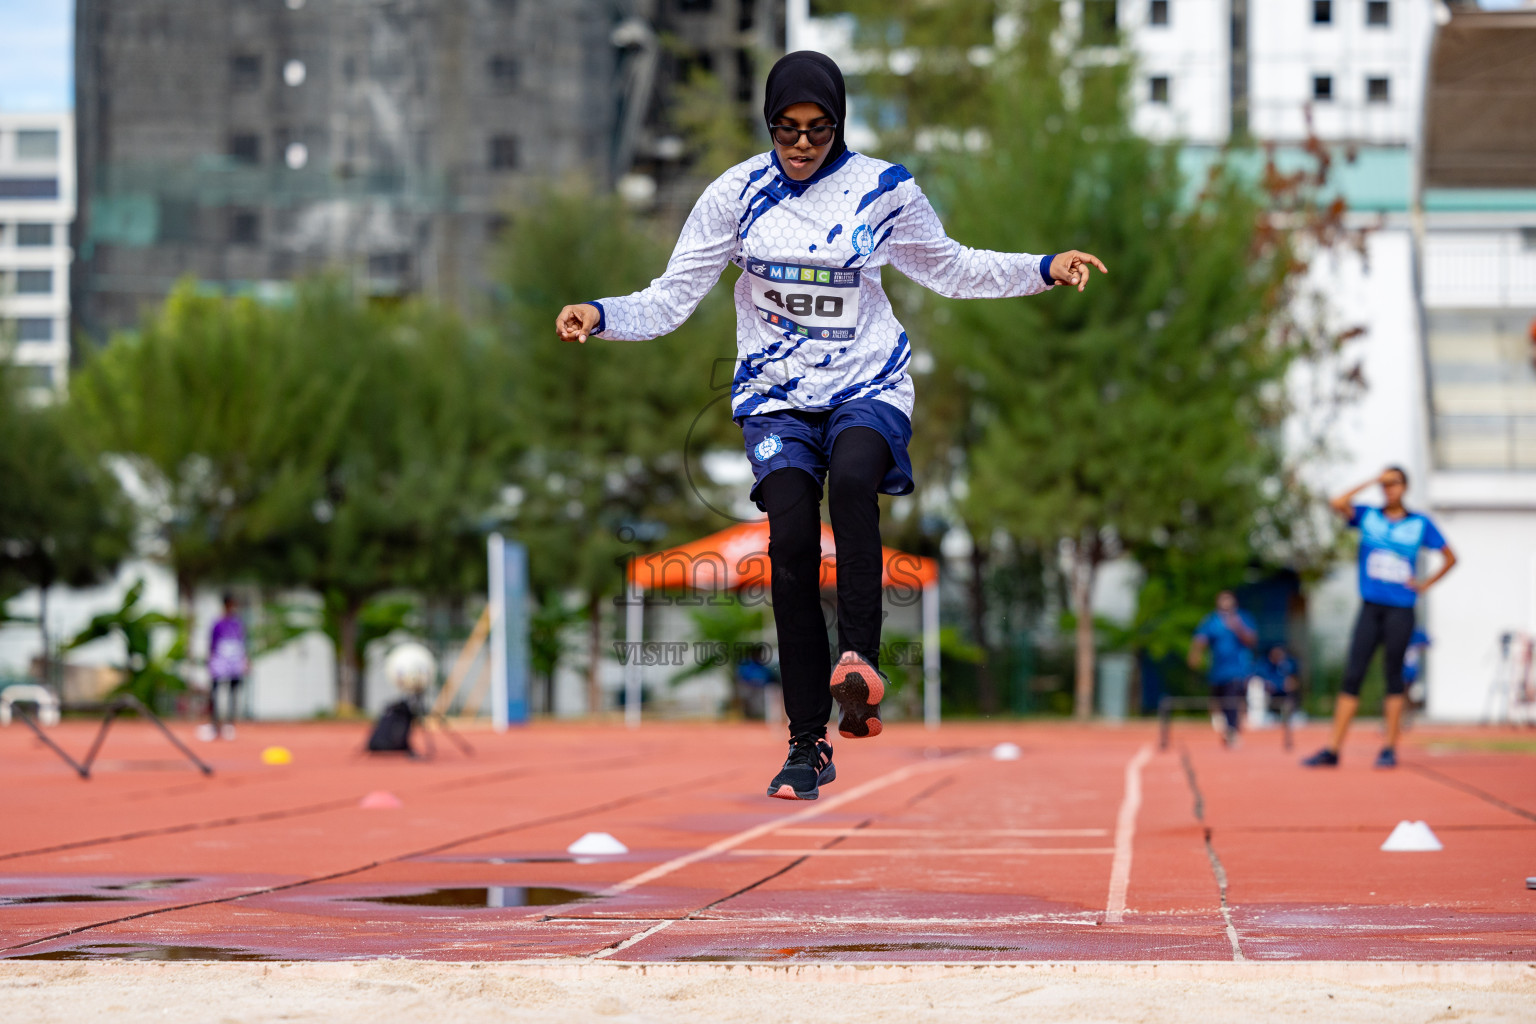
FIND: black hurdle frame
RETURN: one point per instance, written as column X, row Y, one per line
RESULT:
column 126, row 702
column 1168, row 705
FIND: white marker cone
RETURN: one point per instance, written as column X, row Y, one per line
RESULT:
column 596, row 844
column 1411, row 837
column 1006, row 752
column 380, row 800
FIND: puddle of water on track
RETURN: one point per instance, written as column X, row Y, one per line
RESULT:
column 139, row 885
column 63, row 897
column 484, row 896
column 146, row 951
column 818, row 952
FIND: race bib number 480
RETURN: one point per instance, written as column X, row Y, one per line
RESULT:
column 816, row 302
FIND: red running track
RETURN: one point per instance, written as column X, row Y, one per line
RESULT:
column 1091, row 845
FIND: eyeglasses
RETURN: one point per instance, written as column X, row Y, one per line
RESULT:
column 789, row 135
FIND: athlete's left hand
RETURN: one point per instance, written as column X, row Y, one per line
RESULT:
column 1071, row 267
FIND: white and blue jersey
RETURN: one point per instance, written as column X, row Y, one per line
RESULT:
column 814, row 329
column 1389, row 553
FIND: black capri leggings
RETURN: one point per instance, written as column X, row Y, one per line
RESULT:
column 1379, row 625
column 792, row 498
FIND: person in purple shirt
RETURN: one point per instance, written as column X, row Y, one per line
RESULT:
column 227, row 666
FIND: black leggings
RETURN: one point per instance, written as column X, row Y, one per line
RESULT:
column 792, row 498
column 213, row 699
column 1386, row 626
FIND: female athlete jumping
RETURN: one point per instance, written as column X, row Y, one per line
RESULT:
column 821, row 390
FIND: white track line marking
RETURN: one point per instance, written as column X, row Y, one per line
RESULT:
column 637, row 937
column 1015, row 833
column 1125, row 837
column 746, row 836
column 945, row 851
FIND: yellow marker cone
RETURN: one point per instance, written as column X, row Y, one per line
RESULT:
column 277, row 755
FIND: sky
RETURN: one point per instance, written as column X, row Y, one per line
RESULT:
column 36, row 57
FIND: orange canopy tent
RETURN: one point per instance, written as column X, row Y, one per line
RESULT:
column 736, row 559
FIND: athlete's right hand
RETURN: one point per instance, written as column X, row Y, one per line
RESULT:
column 576, row 322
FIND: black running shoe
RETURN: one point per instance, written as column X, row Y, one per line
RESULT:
column 859, row 688
column 1387, row 758
column 807, row 768
column 1324, row 758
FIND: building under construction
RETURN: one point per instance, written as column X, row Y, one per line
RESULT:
column 246, row 142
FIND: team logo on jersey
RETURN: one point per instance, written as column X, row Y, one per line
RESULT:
column 826, row 334
column 768, row 447
column 863, row 240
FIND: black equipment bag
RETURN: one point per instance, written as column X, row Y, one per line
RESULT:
column 392, row 732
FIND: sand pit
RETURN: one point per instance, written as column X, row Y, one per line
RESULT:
column 253, row 993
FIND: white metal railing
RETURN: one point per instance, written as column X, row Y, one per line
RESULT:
column 1485, row 269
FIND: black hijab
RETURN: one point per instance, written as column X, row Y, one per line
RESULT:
column 806, row 76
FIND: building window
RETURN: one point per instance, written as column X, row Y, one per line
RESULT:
column 1377, row 12
column 37, row 144
column 389, row 264
column 29, row 188
column 503, row 73
column 34, row 282
column 1159, row 12
column 1322, row 88
column 245, row 149
column 1322, row 12
column 496, row 227
column 1099, row 23
column 1378, row 90
column 1160, row 89
column 244, row 227
column 245, row 72
column 503, row 153
column 34, row 375
column 34, row 328
column 34, row 234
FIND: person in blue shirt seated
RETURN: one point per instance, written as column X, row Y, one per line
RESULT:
column 1278, row 670
column 1391, row 538
column 1230, row 634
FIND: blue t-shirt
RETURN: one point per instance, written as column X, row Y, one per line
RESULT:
column 1275, row 674
column 1389, row 553
column 1231, row 660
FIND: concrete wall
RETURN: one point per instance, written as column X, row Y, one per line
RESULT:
column 1491, row 591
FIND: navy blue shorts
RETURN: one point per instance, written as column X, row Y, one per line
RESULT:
column 791, row 437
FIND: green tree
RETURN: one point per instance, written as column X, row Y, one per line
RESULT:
column 604, row 427
column 148, row 674
column 218, row 412
column 63, row 518
column 350, row 447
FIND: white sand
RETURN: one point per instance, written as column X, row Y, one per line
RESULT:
column 384, row 992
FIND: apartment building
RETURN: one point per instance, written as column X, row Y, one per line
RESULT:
column 250, row 141
column 37, row 205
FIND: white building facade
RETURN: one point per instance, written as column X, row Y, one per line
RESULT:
column 37, row 207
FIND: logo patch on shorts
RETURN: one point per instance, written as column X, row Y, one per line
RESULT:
column 768, row 447
column 862, row 240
